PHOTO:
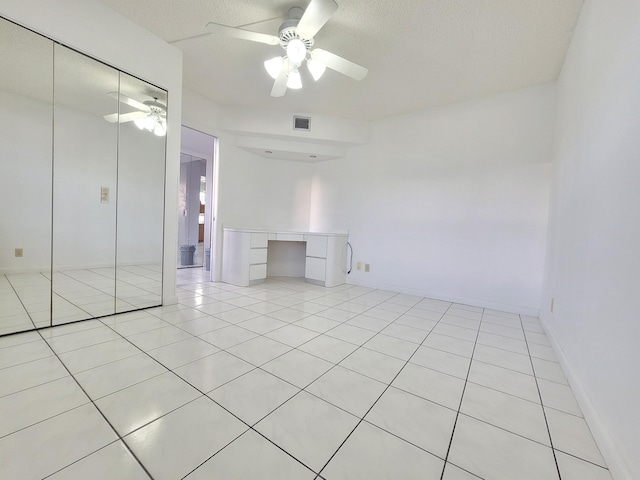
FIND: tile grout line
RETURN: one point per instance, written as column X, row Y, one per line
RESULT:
column 464, row 388
column 378, row 399
column 102, row 292
column 319, row 334
column 99, row 411
column 283, row 326
column 544, row 413
column 21, row 302
column 362, row 346
column 203, row 394
column 68, row 300
column 249, row 426
column 96, row 451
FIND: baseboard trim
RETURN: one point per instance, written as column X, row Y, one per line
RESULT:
column 172, row 300
column 534, row 312
column 615, row 462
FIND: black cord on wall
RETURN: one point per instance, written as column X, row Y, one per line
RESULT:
column 350, row 259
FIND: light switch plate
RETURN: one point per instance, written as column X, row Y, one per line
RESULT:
column 104, row 194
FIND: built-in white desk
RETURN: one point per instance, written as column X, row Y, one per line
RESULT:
column 245, row 255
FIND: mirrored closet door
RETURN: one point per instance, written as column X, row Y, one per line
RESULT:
column 85, row 165
column 140, row 207
column 26, row 129
column 82, row 164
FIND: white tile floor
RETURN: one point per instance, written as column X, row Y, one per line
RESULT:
column 287, row 380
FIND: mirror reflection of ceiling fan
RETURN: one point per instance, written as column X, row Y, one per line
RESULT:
column 295, row 36
column 151, row 114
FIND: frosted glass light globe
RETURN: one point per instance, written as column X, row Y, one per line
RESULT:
column 294, row 81
column 296, row 51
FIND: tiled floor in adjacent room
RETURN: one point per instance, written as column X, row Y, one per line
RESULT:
column 287, row 380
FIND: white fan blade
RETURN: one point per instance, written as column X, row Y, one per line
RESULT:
column 280, row 85
column 243, row 34
column 125, row 117
column 339, row 64
column 129, row 101
column 315, row 16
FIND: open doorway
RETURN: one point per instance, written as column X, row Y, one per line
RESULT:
column 191, row 211
column 195, row 199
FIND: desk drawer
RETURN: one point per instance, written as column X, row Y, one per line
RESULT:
column 290, row 237
column 315, row 269
column 317, row 246
column 258, row 272
column 257, row 255
column 259, row 240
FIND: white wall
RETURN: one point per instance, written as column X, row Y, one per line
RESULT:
column 449, row 203
column 593, row 265
column 286, row 259
column 261, row 193
column 89, row 27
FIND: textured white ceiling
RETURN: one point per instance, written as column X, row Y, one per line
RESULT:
column 420, row 53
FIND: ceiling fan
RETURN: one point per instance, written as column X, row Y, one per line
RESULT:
column 295, row 36
column 151, row 114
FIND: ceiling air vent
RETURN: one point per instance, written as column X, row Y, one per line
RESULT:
column 302, row 123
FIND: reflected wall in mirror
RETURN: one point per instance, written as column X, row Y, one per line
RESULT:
column 82, row 164
column 140, row 207
column 26, row 110
column 84, row 188
column 191, row 211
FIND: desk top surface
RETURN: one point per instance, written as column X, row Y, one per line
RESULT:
column 283, row 232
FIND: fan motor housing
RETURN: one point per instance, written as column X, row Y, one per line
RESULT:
column 288, row 31
column 155, row 106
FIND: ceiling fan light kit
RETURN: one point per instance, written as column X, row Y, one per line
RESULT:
column 316, row 68
column 151, row 114
column 152, row 124
column 155, row 120
column 294, row 80
column 296, row 51
column 295, row 36
column 273, row 66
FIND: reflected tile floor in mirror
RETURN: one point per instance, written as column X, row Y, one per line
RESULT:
column 287, row 380
column 25, row 298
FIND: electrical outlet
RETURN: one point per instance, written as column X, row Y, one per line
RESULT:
column 552, row 301
column 367, row 267
column 359, row 266
column 19, row 252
